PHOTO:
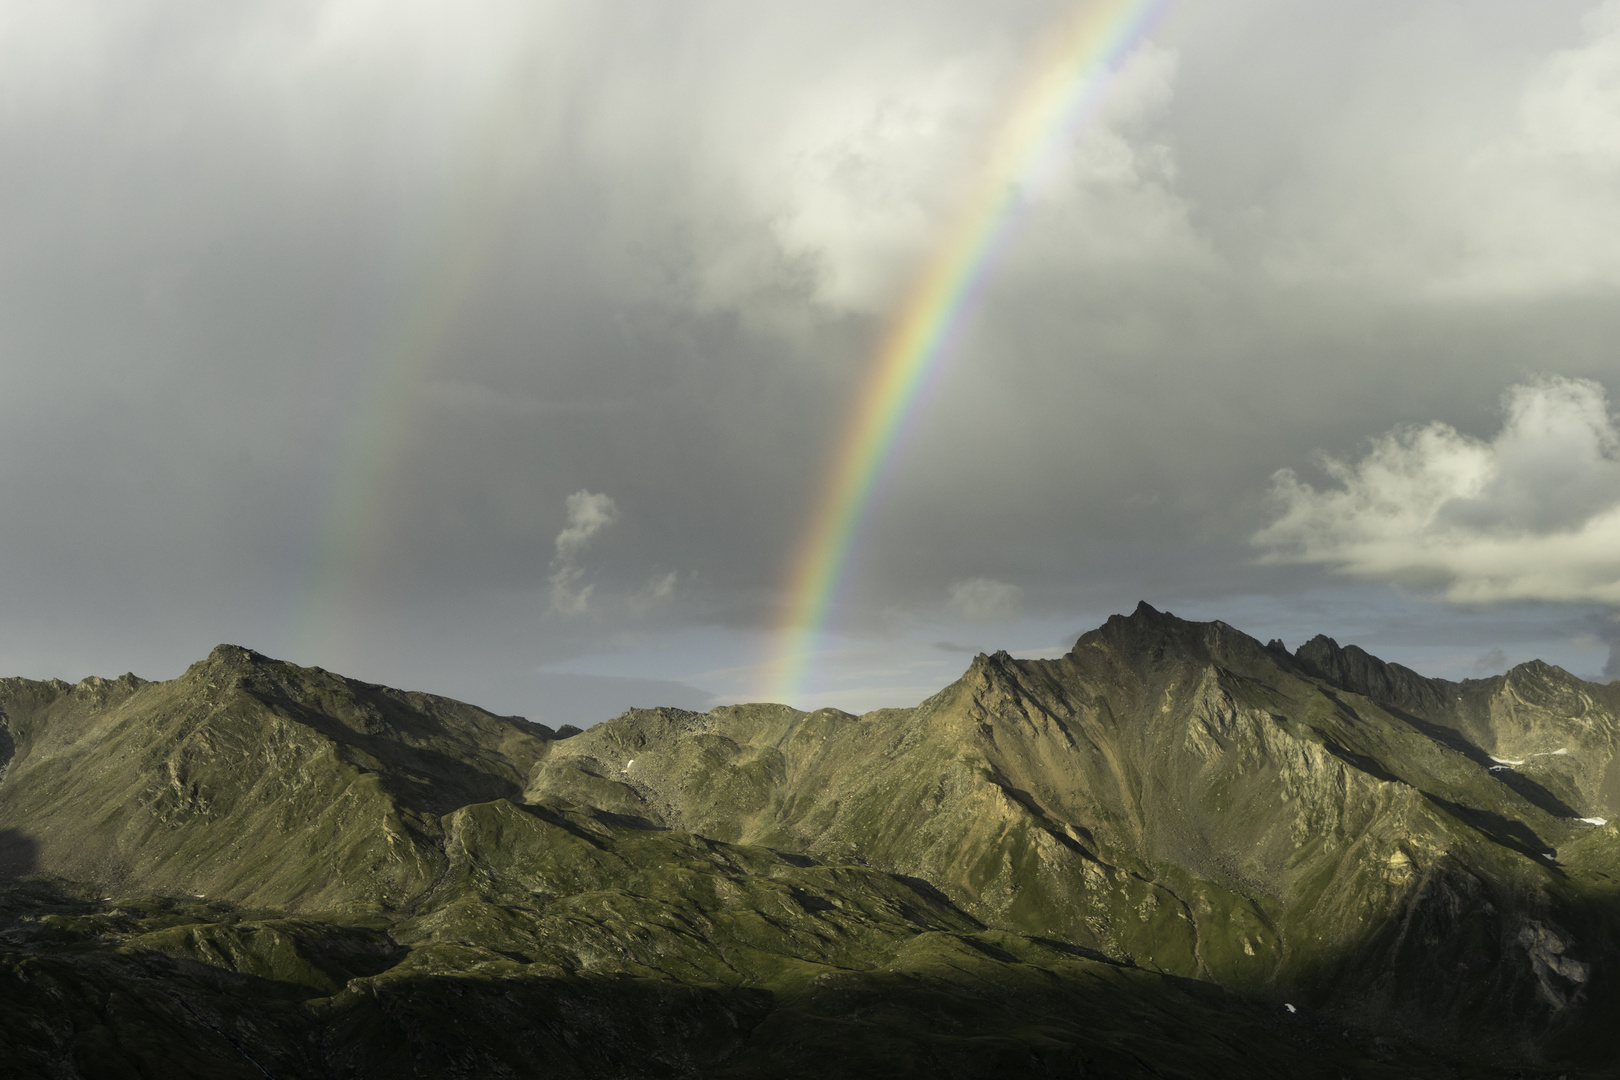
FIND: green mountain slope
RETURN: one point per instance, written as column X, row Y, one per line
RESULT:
column 1173, row 852
column 660, row 954
column 1178, row 796
column 247, row 779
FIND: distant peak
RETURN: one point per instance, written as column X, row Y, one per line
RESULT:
column 1147, row 619
column 1352, row 668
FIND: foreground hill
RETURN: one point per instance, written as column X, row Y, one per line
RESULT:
column 1174, row 851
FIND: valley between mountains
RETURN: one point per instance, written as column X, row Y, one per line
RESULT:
column 1173, row 852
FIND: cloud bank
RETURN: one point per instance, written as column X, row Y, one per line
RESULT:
column 1531, row 514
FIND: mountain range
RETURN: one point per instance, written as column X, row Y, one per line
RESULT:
column 1174, row 851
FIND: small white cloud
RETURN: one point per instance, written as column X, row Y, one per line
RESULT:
column 1531, row 514
column 985, row 600
column 588, row 514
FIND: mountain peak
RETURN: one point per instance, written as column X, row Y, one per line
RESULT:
column 228, row 658
column 226, row 652
column 1160, row 636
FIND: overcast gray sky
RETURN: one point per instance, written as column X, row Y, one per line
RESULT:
column 498, row 349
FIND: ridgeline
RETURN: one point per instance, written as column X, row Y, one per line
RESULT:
column 1174, row 852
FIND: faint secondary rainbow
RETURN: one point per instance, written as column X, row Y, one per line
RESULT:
column 1067, row 81
column 453, row 249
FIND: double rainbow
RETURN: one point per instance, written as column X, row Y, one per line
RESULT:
column 1067, row 82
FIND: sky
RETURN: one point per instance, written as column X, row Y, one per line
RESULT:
column 502, row 349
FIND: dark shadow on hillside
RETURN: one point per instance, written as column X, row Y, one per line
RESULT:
column 627, row 821
column 1521, row 785
column 1030, row 803
column 1002, row 1020
column 976, row 1011
column 1534, row 793
column 421, row 777
column 1084, row 953
column 1454, row 967
column 19, row 854
column 932, row 895
column 1354, row 760
column 1503, row 830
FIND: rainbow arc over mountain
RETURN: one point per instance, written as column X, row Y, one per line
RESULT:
column 1070, row 76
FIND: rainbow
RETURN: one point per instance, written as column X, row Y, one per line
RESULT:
column 1068, row 79
column 454, row 251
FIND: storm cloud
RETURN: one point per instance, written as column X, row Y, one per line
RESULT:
column 316, row 319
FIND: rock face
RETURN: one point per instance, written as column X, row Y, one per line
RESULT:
column 1126, row 860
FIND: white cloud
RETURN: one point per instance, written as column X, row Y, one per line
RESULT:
column 985, row 599
column 588, row 514
column 1571, row 106
column 1516, row 194
column 869, row 166
column 1548, row 194
column 1531, row 514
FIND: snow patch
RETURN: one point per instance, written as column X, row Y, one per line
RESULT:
column 1595, row 820
column 1504, row 762
column 1289, row 1007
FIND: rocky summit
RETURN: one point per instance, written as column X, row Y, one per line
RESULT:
column 1173, row 852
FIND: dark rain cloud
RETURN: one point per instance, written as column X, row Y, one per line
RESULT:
column 335, row 306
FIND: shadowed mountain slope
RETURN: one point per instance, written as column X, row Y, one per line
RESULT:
column 1122, row 862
